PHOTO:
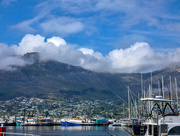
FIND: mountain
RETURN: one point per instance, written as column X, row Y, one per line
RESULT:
column 53, row 79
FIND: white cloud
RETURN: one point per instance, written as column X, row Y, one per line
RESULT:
column 9, row 59
column 65, row 17
column 57, row 41
column 126, row 40
column 136, row 58
column 11, row 63
column 29, row 43
column 59, row 25
column 28, row 26
column 24, row 26
column 86, row 51
column 133, row 12
column 62, row 25
column 7, row 2
column 133, row 59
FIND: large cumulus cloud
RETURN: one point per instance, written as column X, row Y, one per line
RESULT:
column 136, row 58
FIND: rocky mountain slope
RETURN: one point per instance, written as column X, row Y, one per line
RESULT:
column 53, row 79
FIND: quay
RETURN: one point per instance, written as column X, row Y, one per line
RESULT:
column 21, row 134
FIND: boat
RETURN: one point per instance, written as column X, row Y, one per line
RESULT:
column 10, row 121
column 126, row 123
column 137, row 127
column 56, row 121
column 19, row 121
column 45, row 122
column 112, row 121
column 101, row 122
column 30, row 122
column 77, row 122
column 66, row 123
column 117, row 123
column 27, row 122
column 164, row 119
column 2, row 123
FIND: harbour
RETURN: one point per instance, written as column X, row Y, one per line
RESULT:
column 90, row 67
column 68, row 130
column 149, row 115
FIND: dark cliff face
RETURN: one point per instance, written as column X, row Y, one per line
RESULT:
column 31, row 57
column 53, row 79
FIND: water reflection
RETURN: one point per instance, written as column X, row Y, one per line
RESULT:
column 69, row 130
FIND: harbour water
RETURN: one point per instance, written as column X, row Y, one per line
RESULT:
column 69, row 130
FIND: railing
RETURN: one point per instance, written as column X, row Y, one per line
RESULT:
column 151, row 120
column 10, row 133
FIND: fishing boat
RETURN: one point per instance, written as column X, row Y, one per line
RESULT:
column 19, row 121
column 26, row 122
column 10, row 121
column 66, row 123
column 163, row 119
column 101, row 122
column 45, row 122
column 30, row 122
column 77, row 122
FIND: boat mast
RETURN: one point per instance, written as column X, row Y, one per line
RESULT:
column 144, row 93
column 129, row 104
column 136, row 112
column 163, row 86
column 149, row 97
column 141, row 103
column 151, row 86
column 170, row 87
column 176, row 92
column 159, row 86
column 124, row 110
column 141, row 85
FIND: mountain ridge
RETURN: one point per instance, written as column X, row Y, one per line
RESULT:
column 53, row 79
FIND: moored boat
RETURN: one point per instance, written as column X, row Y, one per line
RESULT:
column 101, row 121
column 77, row 122
column 45, row 122
column 160, row 122
column 126, row 123
column 27, row 122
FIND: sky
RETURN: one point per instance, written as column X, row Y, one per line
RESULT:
column 113, row 36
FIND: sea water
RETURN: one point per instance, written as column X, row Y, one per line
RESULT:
column 69, row 130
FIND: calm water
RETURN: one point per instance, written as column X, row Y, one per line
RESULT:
column 69, row 131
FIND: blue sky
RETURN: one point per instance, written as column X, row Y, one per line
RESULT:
column 99, row 25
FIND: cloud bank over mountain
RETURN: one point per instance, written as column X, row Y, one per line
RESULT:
column 9, row 59
column 136, row 58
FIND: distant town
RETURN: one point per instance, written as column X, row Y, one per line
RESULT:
column 22, row 106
